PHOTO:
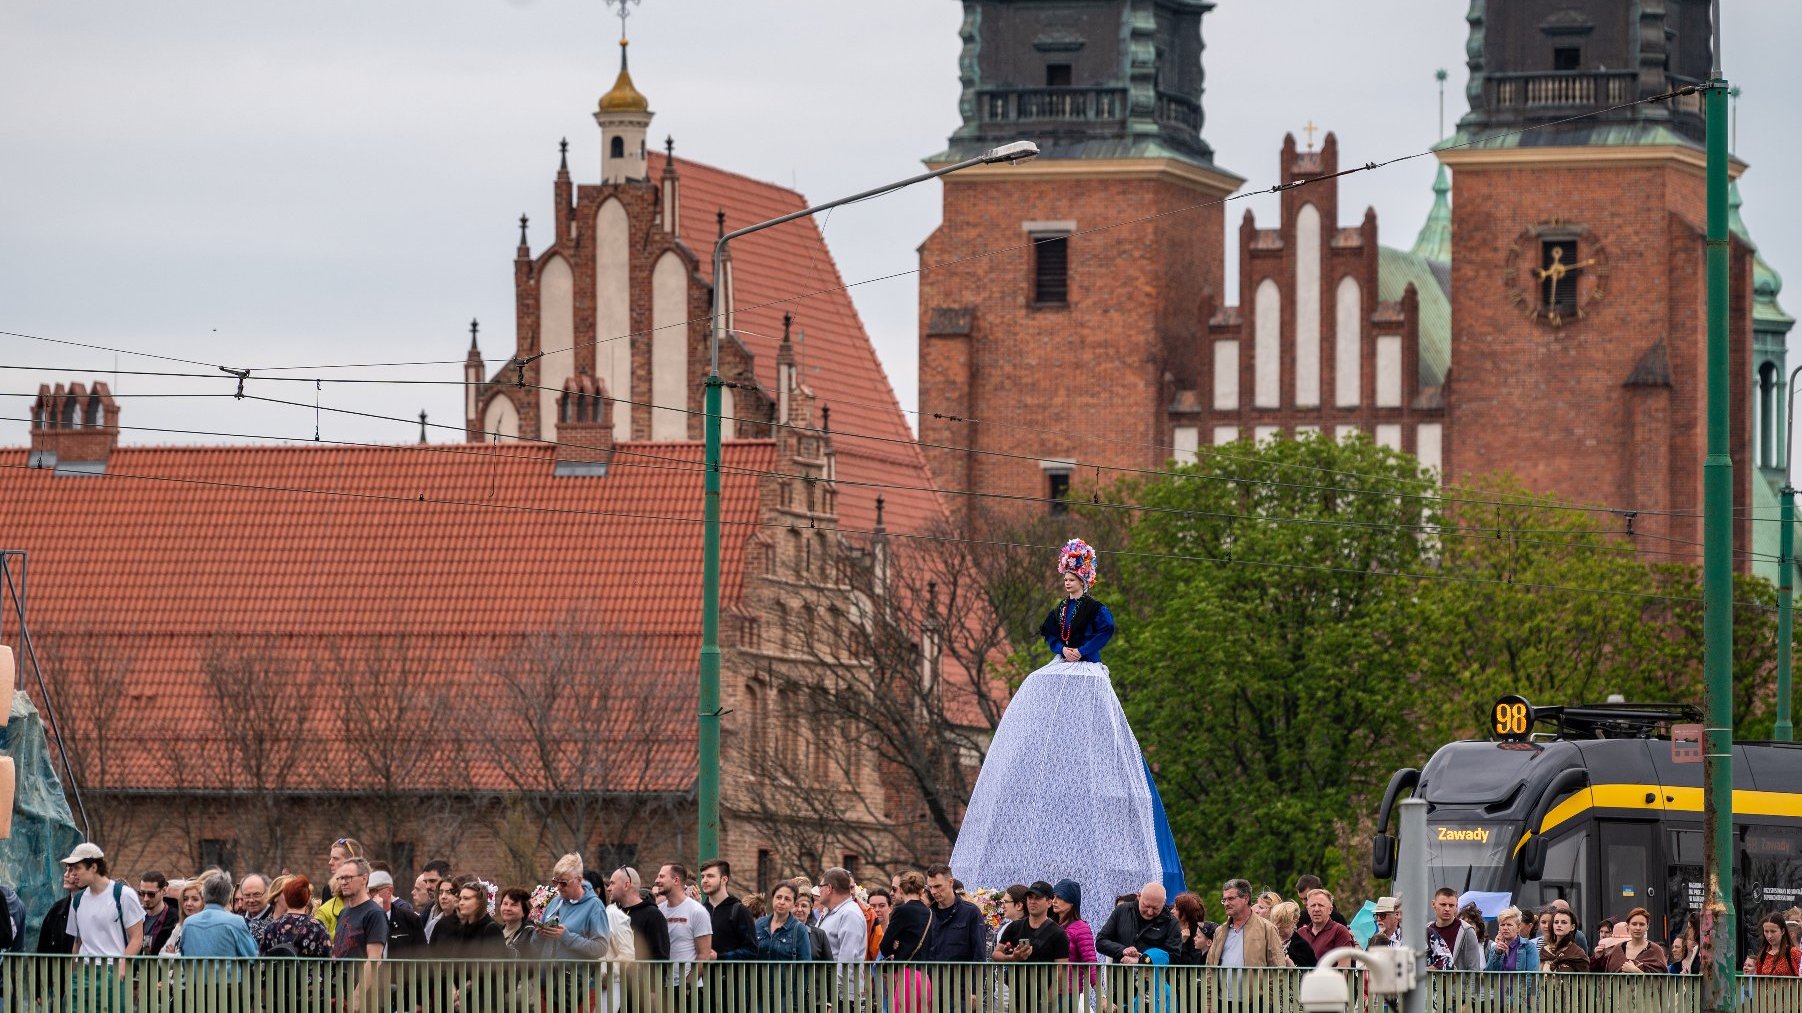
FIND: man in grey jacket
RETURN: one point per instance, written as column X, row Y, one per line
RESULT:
column 1451, row 942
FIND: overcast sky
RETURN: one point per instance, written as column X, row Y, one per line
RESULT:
column 339, row 180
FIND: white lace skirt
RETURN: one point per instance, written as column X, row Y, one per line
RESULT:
column 1062, row 794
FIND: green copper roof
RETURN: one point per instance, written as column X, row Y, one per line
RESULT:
column 1766, row 282
column 1601, row 135
column 1395, row 269
column 1435, row 239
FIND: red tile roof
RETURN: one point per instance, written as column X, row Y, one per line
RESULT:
column 838, row 360
column 177, row 550
column 178, row 554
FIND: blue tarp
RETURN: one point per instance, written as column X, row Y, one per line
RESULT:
column 43, row 829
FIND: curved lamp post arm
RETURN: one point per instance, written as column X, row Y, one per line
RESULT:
column 707, row 779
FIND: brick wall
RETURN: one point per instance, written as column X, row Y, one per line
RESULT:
column 1095, row 367
column 1552, row 404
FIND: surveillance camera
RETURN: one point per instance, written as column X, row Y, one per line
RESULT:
column 1324, row 990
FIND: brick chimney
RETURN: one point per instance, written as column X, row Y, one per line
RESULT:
column 74, row 426
column 584, row 431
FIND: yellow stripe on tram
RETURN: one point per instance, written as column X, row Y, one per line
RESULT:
column 1633, row 796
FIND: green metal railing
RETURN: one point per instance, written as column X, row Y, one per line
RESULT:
column 289, row 985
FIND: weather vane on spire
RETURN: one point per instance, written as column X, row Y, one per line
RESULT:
column 625, row 11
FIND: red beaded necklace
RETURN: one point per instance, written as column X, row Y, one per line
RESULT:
column 1066, row 616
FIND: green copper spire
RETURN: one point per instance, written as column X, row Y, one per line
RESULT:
column 1435, row 239
column 1766, row 282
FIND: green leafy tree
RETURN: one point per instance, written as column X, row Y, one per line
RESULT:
column 1560, row 605
column 1265, row 654
column 1301, row 618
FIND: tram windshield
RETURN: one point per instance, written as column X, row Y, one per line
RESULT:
column 1471, row 855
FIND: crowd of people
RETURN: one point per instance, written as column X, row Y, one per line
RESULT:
column 917, row 917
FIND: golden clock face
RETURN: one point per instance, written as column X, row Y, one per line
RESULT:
column 1556, row 272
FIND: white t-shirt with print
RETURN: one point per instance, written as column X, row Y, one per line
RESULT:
column 688, row 921
column 100, row 924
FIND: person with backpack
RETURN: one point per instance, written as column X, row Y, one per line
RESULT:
column 106, row 919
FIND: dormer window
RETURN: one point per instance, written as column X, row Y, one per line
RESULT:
column 1057, row 75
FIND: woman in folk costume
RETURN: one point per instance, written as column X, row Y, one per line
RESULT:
column 1064, row 792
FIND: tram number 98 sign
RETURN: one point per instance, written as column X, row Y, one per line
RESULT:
column 1512, row 719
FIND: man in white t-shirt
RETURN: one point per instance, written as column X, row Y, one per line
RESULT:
column 690, row 926
column 106, row 919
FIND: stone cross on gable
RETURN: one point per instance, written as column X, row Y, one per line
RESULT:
column 625, row 11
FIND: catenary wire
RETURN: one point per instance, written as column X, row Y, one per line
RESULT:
column 1243, row 194
column 912, row 536
column 686, row 464
column 1368, row 166
column 980, row 255
column 916, row 443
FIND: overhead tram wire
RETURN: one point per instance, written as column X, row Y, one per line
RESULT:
column 1420, row 497
column 422, row 499
column 1215, row 452
column 1423, row 497
column 104, row 348
column 1014, row 247
column 1275, row 188
column 680, row 464
column 1114, row 469
column 942, row 265
column 1475, row 532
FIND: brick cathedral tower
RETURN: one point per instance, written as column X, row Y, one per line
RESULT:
column 1086, row 332
column 1577, row 266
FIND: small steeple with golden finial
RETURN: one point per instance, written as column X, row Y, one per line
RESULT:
column 623, row 115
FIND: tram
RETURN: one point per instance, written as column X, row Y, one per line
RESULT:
column 1601, row 805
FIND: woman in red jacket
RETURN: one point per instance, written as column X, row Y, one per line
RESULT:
column 1780, row 956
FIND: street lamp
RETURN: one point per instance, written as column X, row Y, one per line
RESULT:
column 708, row 788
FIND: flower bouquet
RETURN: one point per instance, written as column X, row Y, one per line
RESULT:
column 988, row 901
column 542, row 895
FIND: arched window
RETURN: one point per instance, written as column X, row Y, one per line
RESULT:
column 618, row 148
column 92, row 416
column 68, row 419
column 1768, row 413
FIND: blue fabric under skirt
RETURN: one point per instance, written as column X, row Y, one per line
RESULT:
column 1065, row 793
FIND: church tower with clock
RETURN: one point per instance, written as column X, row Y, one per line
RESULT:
column 1577, row 269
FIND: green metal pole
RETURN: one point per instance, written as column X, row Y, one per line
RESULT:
column 707, row 779
column 1786, row 579
column 707, row 788
column 1717, row 573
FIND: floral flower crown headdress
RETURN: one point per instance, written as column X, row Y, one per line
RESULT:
column 1078, row 557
